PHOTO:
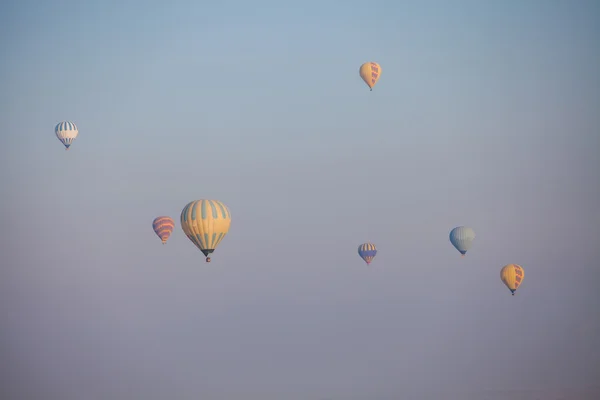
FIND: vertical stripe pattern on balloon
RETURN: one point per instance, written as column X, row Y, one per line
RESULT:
column 367, row 251
column 462, row 238
column 66, row 132
column 205, row 223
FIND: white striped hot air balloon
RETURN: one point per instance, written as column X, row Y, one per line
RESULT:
column 462, row 238
column 66, row 132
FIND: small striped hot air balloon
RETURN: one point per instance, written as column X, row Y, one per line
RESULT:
column 367, row 251
column 462, row 238
column 512, row 276
column 163, row 226
column 205, row 223
column 66, row 132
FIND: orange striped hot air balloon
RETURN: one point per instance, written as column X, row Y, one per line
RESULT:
column 163, row 226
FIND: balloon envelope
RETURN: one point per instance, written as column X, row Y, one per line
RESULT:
column 205, row 223
column 370, row 72
column 462, row 238
column 163, row 227
column 66, row 132
column 512, row 276
column 367, row 252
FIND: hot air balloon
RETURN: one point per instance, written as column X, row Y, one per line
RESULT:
column 462, row 237
column 205, row 223
column 66, row 132
column 370, row 73
column 163, row 226
column 367, row 252
column 512, row 275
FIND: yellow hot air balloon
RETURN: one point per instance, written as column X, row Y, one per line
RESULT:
column 205, row 223
column 512, row 275
column 370, row 73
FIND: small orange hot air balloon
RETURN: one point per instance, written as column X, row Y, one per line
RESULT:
column 370, row 73
column 163, row 226
column 512, row 276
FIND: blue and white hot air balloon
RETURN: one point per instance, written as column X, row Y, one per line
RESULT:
column 66, row 132
column 462, row 237
column 367, row 252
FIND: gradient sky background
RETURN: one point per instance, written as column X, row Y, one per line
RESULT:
column 487, row 114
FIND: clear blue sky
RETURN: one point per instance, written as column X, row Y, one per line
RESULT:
column 487, row 114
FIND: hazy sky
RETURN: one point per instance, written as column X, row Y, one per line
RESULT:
column 487, row 114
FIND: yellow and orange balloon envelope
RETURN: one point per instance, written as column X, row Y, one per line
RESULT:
column 163, row 227
column 512, row 275
column 370, row 73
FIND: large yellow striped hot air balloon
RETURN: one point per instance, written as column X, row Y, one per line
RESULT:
column 370, row 73
column 512, row 275
column 205, row 223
